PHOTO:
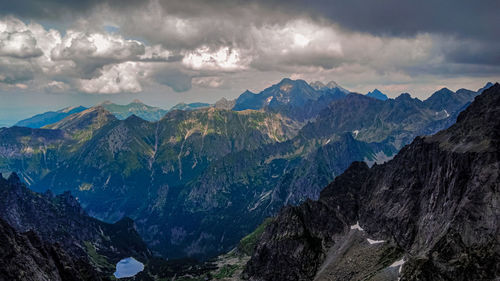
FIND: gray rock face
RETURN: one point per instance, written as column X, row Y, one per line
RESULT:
column 436, row 205
column 24, row 257
column 61, row 220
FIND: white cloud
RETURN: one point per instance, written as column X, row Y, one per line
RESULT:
column 18, row 45
column 76, row 45
column 224, row 58
column 208, row 82
column 117, row 78
column 56, row 87
column 156, row 53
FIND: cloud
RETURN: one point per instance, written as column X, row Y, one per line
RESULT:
column 85, row 60
column 56, row 87
column 13, row 71
column 461, row 18
column 222, row 59
column 118, row 78
column 295, row 44
column 208, row 82
column 131, row 45
column 176, row 79
column 18, row 45
column 91, row 51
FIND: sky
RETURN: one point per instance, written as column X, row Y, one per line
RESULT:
column 57, row 53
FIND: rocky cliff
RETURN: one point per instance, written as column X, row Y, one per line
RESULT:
column 24, row 257
column 61, row 220
column 431, row 213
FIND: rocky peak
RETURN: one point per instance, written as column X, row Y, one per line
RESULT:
column 477, row 127
column 404, row 96
column 377, row 95
column 92, row 118
column 332, row 84
column 248, row 92
column 444, row 91
column 288, row 85
column 317, row 85
column 487, row 86
column 223, row 103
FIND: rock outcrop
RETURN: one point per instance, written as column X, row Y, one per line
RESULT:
column 431, row 213
column 24, row 257
column 61, row 220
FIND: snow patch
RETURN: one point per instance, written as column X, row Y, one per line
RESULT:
column 356, row 226
column 399, row 264
column 263, row 197
column 374, row 241
column 269, row 99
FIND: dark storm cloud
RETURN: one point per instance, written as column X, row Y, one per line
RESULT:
column 466, row 18
column 477, row 52
column 178, row 81
column 57, row 9
column 390, row 17
column 15, row 71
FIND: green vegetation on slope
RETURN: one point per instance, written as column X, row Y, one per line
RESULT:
column 247, row 244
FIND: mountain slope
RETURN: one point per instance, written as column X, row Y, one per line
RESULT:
column 394, row 121
column 113, row 167
column 431, row 213
column 60, row 219
column 50, row 117
column 24, row 257
column 234, row 194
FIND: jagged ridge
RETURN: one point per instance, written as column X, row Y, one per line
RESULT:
column 435, row 203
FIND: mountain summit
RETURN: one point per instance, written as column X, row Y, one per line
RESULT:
column 287, row 92
column 377, row 95
column 294, row 98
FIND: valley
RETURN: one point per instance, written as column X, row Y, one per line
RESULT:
column 197, row 181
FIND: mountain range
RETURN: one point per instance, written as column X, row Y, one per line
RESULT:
column 431, row 213
column 197, row 181
column 49, row 117
column 136, row 107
